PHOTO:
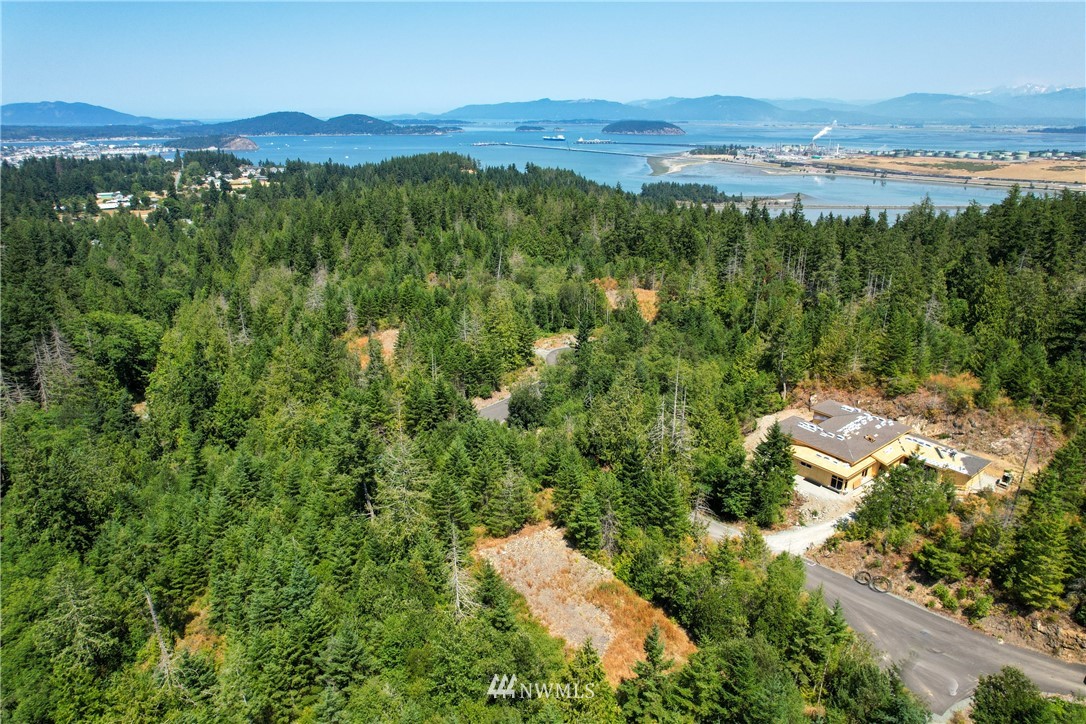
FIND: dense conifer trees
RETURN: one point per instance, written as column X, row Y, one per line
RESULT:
column 187, row 423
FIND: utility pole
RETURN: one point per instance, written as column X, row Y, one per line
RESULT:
column 1022, row 477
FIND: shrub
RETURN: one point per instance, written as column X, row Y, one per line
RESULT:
column 900, row 537
column 946, row 598
column 958, row 391
column 979, row 608
column 527, row 408
column 1079, row 616
column 1008, row 696
column 833, row 543
column 942, row 557
column 908, row 493
column 898, row 386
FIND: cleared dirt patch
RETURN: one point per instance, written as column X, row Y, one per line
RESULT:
column 359, row 345
column 554, row 342
column 579, row 600
column 645, row 298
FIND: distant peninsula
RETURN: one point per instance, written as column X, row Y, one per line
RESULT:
column 644, row 128
column 529, row 128
column 1075, row 130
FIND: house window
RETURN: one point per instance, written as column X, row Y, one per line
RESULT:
column 837, row 483
column 803, row 464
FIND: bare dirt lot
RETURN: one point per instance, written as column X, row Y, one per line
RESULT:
column 579, row 600
column 645, row 298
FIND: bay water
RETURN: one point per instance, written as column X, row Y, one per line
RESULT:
column 625, row 161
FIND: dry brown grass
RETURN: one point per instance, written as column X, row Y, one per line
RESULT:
column 579, row 600
column 198, row 634
column 1042, row 170
column 633, row 617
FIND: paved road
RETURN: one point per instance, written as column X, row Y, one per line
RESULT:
column 552, row 356
column 940, row 659
column 499, row 411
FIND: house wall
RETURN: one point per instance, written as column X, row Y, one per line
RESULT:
column 821, row 476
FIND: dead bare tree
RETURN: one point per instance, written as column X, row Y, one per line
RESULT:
column 670, row 434
column 351, row 315
column 460, row 581
column 165, row 661
column 53, row 365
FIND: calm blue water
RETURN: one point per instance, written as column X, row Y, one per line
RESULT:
column 607, row 164
column 624, row 162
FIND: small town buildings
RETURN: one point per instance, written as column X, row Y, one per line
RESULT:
column 844, row 447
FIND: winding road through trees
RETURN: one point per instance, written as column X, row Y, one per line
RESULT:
column 499, row 411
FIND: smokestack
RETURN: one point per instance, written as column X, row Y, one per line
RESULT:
column 824, row 131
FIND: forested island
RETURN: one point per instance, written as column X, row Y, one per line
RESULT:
column 224, row 502
column 214, row 142
column 644, row 128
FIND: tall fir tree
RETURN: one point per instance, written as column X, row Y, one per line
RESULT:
column 1039, row 564
column 772, row 476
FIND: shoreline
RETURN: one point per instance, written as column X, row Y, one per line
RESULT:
column 677, row 163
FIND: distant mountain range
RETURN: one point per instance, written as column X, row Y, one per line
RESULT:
column 292, row 123
column 59, row 113
column 81, row 120
column 1066, row 105
column 1028, row 105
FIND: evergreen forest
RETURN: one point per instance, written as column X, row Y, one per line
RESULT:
column 213, row 512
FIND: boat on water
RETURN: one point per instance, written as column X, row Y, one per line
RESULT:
column 559, row 137
column 594, row 141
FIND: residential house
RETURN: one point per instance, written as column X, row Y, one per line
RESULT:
column 843, row 447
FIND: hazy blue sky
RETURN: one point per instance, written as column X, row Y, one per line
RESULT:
column 219, row 60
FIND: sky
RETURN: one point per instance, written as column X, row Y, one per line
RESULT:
column 215, row 60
